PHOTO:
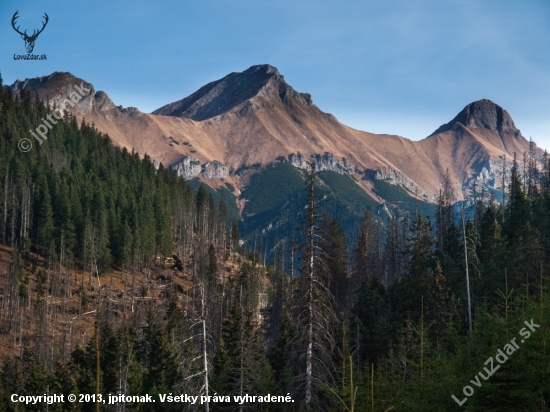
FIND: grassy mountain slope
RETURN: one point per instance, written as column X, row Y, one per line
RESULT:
column 275, row 200
column 399, row 201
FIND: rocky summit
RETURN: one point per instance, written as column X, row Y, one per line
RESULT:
column 222, row 95
column 485, row 114
column 250, row 134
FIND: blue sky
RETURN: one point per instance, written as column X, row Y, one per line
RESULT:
column 385, row 66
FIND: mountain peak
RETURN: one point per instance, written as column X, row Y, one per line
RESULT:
column 58, row 86
column 263, row 68
column 482, row 114
column 56, row 79
column 222, row 95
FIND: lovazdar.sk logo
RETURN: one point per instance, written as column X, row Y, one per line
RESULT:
column 29, row 39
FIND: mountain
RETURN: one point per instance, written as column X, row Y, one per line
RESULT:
column 483, row 114
column 223, row 95
column 234, row 132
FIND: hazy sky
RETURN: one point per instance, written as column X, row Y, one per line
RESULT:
column 384, row 66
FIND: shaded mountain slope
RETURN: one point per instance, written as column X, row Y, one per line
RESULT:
column 252, row 118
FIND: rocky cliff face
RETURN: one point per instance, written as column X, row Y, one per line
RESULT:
column 59, row 86
column 489, row 177
column 214, row 169
column 103, row 102
column 190, row 167
column 131, row 112
column 323, row 162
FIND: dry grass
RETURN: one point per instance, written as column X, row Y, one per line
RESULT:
column 112, row 294
column 273, row 127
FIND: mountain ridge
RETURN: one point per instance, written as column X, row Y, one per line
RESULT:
column 222, row 95
column 253, row 117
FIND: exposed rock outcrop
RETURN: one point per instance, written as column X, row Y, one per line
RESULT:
column 214, row 169
column 248, row 120
column 131, row 112
column 190, row 167
column 488, row 178
column 59, row 86
column 103, row 102
column 322, row 162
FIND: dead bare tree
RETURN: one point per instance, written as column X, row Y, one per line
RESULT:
column 313, row 346
column 201, row 338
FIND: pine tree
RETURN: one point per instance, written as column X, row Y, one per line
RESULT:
column 160, row 359
column 370, row 322
column 335, row 247
column 280, row 354
column 212, row 269
column 234, row 237
column 44, row 219
column 221, row 369
column 110, row 358
column 245, row 353
column 407, row 292
column 492, row 253
column 365, row 250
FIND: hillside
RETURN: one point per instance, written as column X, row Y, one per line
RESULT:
column 243, row 124
column 254, row 117
column 93, row 232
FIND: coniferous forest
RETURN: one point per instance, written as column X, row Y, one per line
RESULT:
column 116, row 277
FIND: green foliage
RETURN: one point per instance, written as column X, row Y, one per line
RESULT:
column 405, row 340
column 389, row 192
column 86, row 191
column 335, row 250
column 275, row 196
column 217, row 195
column 340, row 188
column 400, row 201
column 230, row 187
column 271, row 188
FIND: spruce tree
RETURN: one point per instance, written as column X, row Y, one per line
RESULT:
column 245, row 353
column 335, row 247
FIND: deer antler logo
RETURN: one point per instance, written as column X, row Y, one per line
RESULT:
column 29, row 40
